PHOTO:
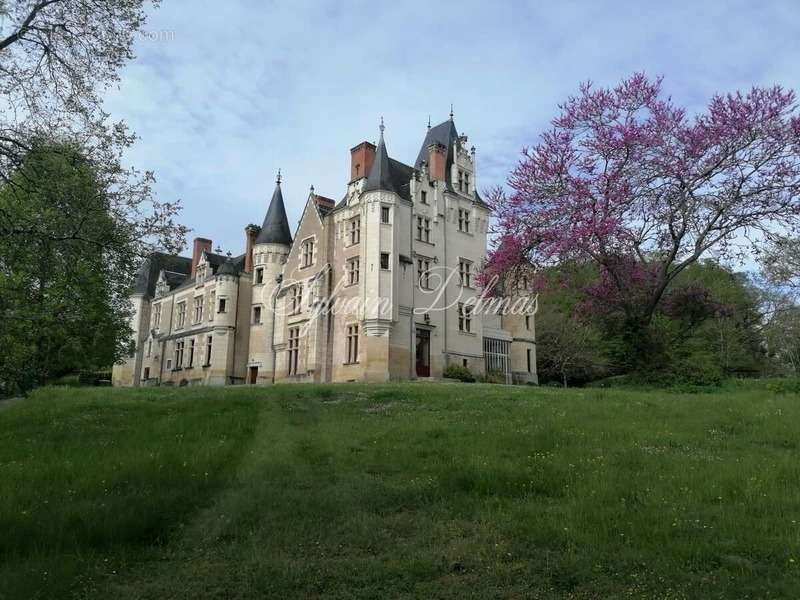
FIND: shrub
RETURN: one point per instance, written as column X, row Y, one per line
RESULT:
column 94, row 378
column 784, row 386
column 460, row 373
column 492, row 377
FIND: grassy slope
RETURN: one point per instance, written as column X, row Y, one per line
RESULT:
column 400, row 490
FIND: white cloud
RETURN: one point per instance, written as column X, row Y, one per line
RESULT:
column 224, row 94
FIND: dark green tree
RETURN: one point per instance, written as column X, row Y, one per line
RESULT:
column 64, row 277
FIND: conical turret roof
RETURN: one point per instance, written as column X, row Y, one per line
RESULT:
column 275, row 229
column 380, row 175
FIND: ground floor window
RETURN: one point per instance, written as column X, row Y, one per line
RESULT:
column 209, row 341
column 352, row 344
column 495, row 356
column 529, row 359
column 293, row 349
column 178, row 355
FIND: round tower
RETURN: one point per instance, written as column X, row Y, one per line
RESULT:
column 269, row 253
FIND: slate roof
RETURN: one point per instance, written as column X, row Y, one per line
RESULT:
column 226, row 268
column 153, row 265
column 445, row 134
column 389, row 174
column 275, row 229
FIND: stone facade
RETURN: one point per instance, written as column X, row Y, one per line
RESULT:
column 377, row 287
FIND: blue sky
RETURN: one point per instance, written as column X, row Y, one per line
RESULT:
column 223, row 94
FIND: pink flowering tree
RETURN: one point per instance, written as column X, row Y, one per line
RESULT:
column 628, row 180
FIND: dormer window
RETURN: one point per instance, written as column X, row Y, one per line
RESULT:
column 423, row 197
column 466, row 181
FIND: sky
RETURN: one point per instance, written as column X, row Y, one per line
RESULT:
column 223, row 94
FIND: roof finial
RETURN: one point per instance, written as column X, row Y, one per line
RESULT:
column 312, row 189
column 381, row 127
column 451, row 111
column 278, row 178
column 429, row 121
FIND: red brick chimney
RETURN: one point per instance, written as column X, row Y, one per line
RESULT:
column 200, row 245
column 361, row 158
column 323, row 202
column 437, row 159
column 250, row 233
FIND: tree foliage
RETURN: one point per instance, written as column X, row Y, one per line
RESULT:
column 57, row 57
column 627, row 180
column 63, row 304
column 74, row 220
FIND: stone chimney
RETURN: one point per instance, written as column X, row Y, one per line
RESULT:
column 200, row 245
column 250, row 233
column 361, row 159
column 437, row 158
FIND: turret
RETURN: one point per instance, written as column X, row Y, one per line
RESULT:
column 269, row 252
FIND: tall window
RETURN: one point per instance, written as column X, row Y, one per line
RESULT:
column 293, row 349
column 466, row 182
column 211, row 302
column 259, row 276
column 178, row 354
column 156, row 316
column 423, row 229
column 464, row 318
column 465, row 273
column 209, row 342
column 353, row 268
column 423, row 197
column 223, row 305
column 352, row 344
column 256, row 315
column 181, row 314
column 384, row 260
column 198, row 309
column 384, row 214
column 528, row 324
column 528, row 352
column 308, row 252
column 463, row 220
column 461, row 181
column 423, row 272
column 191, row 353
column 297, row 299
column 355, row 230
column 149, row 347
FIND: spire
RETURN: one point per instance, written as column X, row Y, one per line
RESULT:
column 380, row 176
column 275, row 229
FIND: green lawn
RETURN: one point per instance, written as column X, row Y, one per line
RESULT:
column 415, row 491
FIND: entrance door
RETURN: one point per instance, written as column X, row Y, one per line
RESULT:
column 423, row 353
column 253, row 374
